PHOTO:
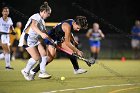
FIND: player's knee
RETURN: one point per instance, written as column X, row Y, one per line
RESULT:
column 50, row 59
column 7, row 51
column 36, row 57
column 33, row 60
column 43, row 53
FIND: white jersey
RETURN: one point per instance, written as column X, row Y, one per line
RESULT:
column 95, row 36
column 36, row 17
column 5, row 25
column 32, row 39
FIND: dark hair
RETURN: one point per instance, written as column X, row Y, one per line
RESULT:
column 5, row 8
column 81, row 21
column 45, row 6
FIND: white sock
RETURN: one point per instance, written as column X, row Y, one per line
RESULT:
column 2, row 56
column 30, row 64
column 7, row 60
column 43, row 64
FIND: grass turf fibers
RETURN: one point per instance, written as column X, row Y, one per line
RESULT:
column 13, row 82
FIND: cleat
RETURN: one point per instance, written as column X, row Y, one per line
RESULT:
column 26, row 75
column 9, row 68
column 44, row 75
column 32, row 75
column 80, row 71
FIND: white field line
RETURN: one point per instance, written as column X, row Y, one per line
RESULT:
column 85, row 88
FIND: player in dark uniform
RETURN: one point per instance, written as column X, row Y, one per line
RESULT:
column 73, row 59
column 62, row 35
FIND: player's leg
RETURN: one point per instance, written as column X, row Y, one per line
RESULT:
column 31, row 62
column 43, row 58
column 75, row 64
column 97, row 52
column 6, row 48
column 95, row 49
column 44, row 61
column 14, row 49
column 92, row 48
column 135, row 47
column 73, row 60
column 51, row 51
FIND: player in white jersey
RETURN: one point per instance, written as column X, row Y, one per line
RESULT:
column 30, row 41
column 6, row 25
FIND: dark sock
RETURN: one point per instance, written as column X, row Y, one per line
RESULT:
column 95, row 55
column 74, row 62
column 37, row 68
column 91, row 54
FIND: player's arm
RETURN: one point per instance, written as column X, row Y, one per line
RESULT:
column 13, row 30
column 36, row 29
column 101, row 33
column 88, row 34
column 66, row 28
column 73, row 40
column 11, row 27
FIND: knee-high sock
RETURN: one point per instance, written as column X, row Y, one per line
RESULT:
column 43, row 64
column 30, row 64
column 95, row 55
column 7, row 59
column 91, row 54
column 37, row 68
column 74, row 62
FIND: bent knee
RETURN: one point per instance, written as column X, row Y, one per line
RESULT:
column 50, row 59
column 36, row 57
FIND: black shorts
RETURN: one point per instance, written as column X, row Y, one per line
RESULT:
column 15, row 43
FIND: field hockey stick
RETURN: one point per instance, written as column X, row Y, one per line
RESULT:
column 88, row 61
column 13, row 33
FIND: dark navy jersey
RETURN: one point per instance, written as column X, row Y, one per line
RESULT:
column 57, row 33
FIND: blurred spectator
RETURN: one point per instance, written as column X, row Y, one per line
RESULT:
column 135, row 43
column 15, row 49
column 95, row 35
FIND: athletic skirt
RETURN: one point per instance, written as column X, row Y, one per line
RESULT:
column 28, row 41
column 93, row 43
